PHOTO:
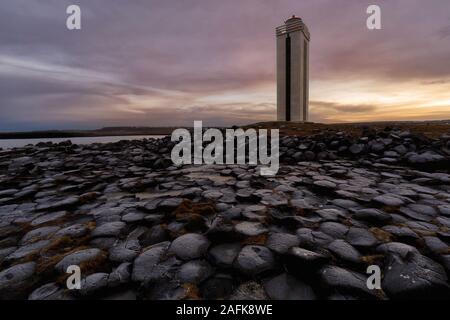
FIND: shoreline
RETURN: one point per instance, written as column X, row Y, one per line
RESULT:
column 80, row 134
column 432, row 128
column 8, row 144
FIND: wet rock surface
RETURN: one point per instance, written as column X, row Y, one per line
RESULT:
column 140, row 228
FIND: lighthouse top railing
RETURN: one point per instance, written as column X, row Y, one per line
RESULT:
column 292, row 26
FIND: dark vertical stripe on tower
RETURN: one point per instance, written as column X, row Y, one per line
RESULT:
column 288, row 78
column 305, row 78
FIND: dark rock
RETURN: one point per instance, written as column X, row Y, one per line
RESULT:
column 190, row 246
column 360, row 237
column 402, row 233
column 195, row 271
column 250, row 229
column 170, row 204
column 324, row 184
column 286, row 287
column 48, row 218
column 312, row 239
column 77, row 258
column 28, row 249
column 397, row 248
column 446, row 262
column 444, row 209
column 302, row 260
column 49, row 291
column 423, row 209
column 125, row 251
column 123, row 295
column 39, row 233
column 221, row 228
column 133, row 217
column 427, row 157
column 223, row 255
column 120, row 276
column 147, row 263
column 333, row 229
column 356, row 148
column 281, row 242
column 110, row 229
column 249, row 291
column 73, row 231
column 6, row 252
column 93, row 283
column 342, row 297
column 309, row 155
column 331, row 214
column 217, row 287
column 346, row 281
column 162, row 289
column 253, row 260
column 15, row 280
column 435, row 245
column 389, row 201
column 414, row 276
column 62, row 204
column 104, row 243
column 343, row 250
column 411, row 214
column 372, row 215
column 156, row 234
column 345, row 203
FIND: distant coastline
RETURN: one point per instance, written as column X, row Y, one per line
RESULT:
column 103, row 132
column 431, row 128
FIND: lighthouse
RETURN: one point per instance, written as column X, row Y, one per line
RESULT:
column 292, row 70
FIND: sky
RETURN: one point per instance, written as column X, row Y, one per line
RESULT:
column 168, row 63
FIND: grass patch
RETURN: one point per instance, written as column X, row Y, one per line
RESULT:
column 375, row 259
column 192, row 292
column 194, row 214
column 255, row 240
column 187, row 209
column 381, row 235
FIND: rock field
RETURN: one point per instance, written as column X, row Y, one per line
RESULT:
column 141, row 228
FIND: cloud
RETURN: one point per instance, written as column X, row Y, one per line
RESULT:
column 324, row 111
column 433, row 82
column 326, row 106
column 444, row 32
column 148, row 62
column 29, row 69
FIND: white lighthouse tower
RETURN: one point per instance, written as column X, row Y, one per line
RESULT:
column 292, row 70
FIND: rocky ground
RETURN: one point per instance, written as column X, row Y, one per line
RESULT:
column 140, row 228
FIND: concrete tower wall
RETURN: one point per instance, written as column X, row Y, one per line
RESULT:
column 305, row 84
column 293, row 68
column 281, row 78
column 296, row 76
